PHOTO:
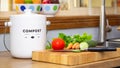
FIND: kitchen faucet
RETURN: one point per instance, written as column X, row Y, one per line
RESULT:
column 103, row 26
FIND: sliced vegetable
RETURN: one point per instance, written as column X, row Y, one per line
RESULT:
column 75, row 38
column 75, row 45
column 76, row 51
column 70, row 46
column 84, row 45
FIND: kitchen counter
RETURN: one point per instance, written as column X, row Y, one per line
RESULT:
column 7, row 61
column 118, row 28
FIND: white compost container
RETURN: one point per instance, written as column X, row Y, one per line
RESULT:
column 27, row 34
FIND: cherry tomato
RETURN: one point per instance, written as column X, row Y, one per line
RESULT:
column 58, row 44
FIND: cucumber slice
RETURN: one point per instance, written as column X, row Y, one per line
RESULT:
column 76, row 51
column 84, row 45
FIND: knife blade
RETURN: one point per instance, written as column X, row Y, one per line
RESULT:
column 94, row 49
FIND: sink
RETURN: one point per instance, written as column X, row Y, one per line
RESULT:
column 115, row 42
column 116, row 45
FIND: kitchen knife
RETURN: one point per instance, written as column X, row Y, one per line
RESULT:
column 94, row 49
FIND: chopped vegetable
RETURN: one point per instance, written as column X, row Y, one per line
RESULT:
column 84, row 45
column 75, row 41
column 75, row 45
column 76, row 51
column 70, row 46
column 75, row 38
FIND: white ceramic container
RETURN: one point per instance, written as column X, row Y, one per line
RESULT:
column 27, row 34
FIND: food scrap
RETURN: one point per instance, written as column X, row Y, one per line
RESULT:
column 74, row 42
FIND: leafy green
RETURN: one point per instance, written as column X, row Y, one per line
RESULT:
column 86, row 37
column 75, row 38
column 48, row 46
column 66, row 38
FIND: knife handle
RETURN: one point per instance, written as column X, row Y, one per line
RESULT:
column 99, row 49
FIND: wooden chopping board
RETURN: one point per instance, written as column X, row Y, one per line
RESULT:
column 71, row 58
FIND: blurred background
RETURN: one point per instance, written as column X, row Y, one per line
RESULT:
column 85, row 7
column 69, row 8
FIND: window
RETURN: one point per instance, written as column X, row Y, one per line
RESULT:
column 5, row 5
column 90, row 7
column 74, row 7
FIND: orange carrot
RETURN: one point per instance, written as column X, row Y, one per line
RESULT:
column 69, row 45
column 74, row 46
column 77, row 46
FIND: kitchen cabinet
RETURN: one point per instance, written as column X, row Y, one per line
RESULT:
column 67, row 22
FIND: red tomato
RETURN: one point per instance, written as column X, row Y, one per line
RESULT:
column 58, row 44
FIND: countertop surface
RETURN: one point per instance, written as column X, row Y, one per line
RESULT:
column 7, row 61
column 118, row 28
